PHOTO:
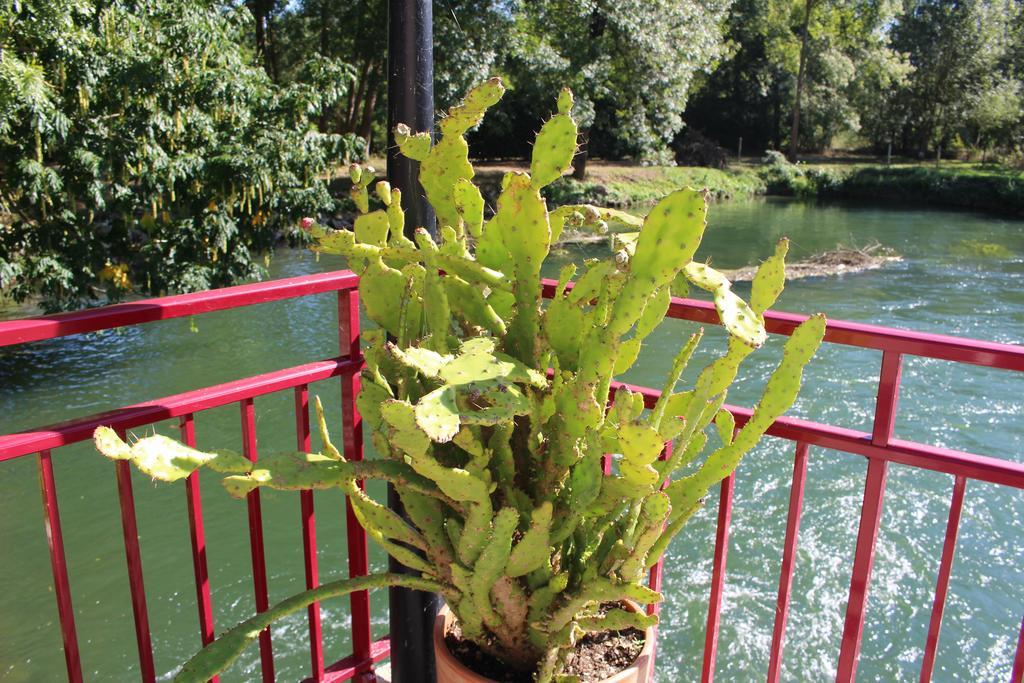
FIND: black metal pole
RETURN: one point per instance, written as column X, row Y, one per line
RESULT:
column 410, row 101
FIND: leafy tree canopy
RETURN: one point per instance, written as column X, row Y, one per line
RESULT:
column 142, row 146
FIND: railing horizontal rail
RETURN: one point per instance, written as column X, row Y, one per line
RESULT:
column 879, row 447
column 167, row 307
column 912, row 453
column 939, row 346
column 80, row 429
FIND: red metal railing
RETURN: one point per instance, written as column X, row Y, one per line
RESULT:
column 879, row 447
column 184, row 406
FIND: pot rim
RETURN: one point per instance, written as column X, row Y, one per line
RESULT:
column 639, row 669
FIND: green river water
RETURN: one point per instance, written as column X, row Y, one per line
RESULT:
column 945, row 283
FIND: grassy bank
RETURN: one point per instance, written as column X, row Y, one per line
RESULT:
column 952, row 184
column 615, row 184
column 995, row 191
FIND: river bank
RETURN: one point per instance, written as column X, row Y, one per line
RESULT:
column 993, row 189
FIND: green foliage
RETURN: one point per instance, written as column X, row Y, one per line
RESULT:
column 143, row 149
column 630, row 64
column 991, row 189
column 784, row 178
column 498, row 463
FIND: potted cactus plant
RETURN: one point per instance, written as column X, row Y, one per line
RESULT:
column 489, row 407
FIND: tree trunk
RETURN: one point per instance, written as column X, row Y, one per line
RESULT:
column 355, row 103
column 275, row 73
column 260, row 10
column 324, row 35
column 794, row 140
column 579, row 159
column 369, row 104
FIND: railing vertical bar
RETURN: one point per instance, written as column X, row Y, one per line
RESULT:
column 864, row 557
column 796, row 502
column 870, row 516
column 61, row 585
column 197, row 537
column 133, row 555
column 888, row 398
column 259, row 562
column 718, row 578
column 352, row 431
column 316, row 643
column 1017, row 674
column 942, row 584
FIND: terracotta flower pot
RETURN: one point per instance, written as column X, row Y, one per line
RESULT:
column 451, row 670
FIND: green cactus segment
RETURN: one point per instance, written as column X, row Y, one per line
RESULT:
column 453, row 529
column 769, row 279
column 289, row 471
column 476, row 532
column 585, row 484
column 383, row 191
column 380, row 521
column 599, row 590
column 564, row 322
column 402, row 430
column 555, row 146
column 589, row 218
column 589, row 284
column 382, row 290
column 472, row 309
column 396, row 220
column 489, row 566
column 164, row 458
column 219, row 655
column 325, row 435
column 438, row 415
column 737, row 317
column 618, row 620
column 424, row 361
column 640, row 443
column 456, row 483
column 398, row 473
column 437, row 314
column 679, row 364
column 668, row 240
column 478, row 100
column 654, row 312
column 629, row 351
column 725, row 423
column 448, row 161
column 478, row 362
column 370, row 397
column 522, row 223
column 469, row 204
column 415, row 146
column 426, row 514
column 651, row 523
column 532, row 550
column 372, row 228
column 779, row 395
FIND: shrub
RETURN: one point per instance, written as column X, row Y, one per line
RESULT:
column 139, row 139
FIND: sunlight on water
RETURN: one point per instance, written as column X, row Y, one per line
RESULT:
column 941, row 286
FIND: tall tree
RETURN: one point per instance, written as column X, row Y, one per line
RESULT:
column 141, row 147
column 630, row 63
column 957, row 49
column 794, row 140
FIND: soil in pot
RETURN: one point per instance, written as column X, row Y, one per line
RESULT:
column 597, row 656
